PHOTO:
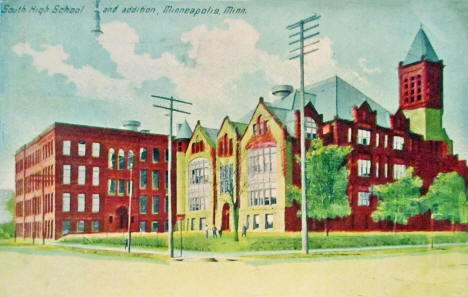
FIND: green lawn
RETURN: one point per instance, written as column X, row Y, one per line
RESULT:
column 270, row 241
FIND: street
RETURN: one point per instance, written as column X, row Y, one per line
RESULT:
column 29, row 272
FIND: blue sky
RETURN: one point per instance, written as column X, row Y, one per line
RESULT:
column 52, row 68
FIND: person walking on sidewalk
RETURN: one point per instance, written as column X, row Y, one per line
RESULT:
column 215, row 233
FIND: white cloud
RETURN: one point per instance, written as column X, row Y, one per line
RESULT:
column 366, row 69
column 222, row 58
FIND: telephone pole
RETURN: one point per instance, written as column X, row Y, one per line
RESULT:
column 300, row 55
column 169, row 165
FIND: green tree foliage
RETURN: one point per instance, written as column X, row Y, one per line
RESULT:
column 447, row 199
column 399, row 200
column 7, row 230
column 326, row 180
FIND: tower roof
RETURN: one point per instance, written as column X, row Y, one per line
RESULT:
column 184, row 131
column 421, row 46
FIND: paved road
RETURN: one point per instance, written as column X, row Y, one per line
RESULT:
column 198, row 254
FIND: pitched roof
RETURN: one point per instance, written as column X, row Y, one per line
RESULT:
column 421, row 46
column 184, row 131
column 212, row 134
column 240, row 127
column 336, row 97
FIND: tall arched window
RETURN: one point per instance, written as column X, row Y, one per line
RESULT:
column 310, row 128
column 130, row 160
column 121, row 158
column 111, row 159
column 199, row 186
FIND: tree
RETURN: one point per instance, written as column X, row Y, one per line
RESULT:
column 7, row 230
column 326, row 182
column 447, row 199
column 399, row 200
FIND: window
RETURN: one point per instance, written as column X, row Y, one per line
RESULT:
column 202, row 224
column 350, row 134
column 80, row 226
column 81, row 175
column 121, row 187
column 65, row 227
column 377, row 140
column 95, row 203
column 81, row 202
column 111, row 159
column 81, row 148
column 399, row 171
column 192, row 224
column 154, row 226
column 166, row 204
column 364, row 167
column 121, row 158
column 130, row 160
column 363, row 199
column 398, row 142
column 155, row 179
column 155, row 155
column 262, row 176
column 265, row 126
column 66, row 174
column 166, row 226
column 386, row 140
column 386, row 170
column 166, row 179
column 199, row 187
column 376, row 169
column 65, row 202
column 310, row 128
column 142, row 226
column 95, row 150
column 95, row 226
column 225, row 179
column 364, row 137
column 142, row 204
column 142, row 154
column 111, row 187
column 268, row 221
column 256, row 221
column 95, row 176
column 143, row 179
column 166, row 155
column 155, row 208
column 254, row 129
column 66, row 148
column 129, row 187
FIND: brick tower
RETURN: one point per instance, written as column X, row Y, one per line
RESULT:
column 421, row 90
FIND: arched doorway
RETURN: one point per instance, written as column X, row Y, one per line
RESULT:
column 225, row 217
column 122, row 217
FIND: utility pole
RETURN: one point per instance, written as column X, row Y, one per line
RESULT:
column 300, row 55
column 169, row 165
column 129, row 239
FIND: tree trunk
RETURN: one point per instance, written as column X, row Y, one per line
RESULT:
column 235, row 219
column 394, row 224
column 326, row 226
column 452, row 226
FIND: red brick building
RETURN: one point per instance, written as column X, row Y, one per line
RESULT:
column 77, row 179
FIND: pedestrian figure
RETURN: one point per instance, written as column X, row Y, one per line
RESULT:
column 220, row 232
column 215, row 233
column 126, row 243
column 244, row 231
column 206, row 230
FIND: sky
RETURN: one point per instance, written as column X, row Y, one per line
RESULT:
column 54, row 69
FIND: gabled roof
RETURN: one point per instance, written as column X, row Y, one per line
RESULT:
column 240, row 127
column 212, row 134
column 184, row 131
column 336, row 97
column 421, row 46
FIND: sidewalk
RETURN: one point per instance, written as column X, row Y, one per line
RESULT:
column 197, row 254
